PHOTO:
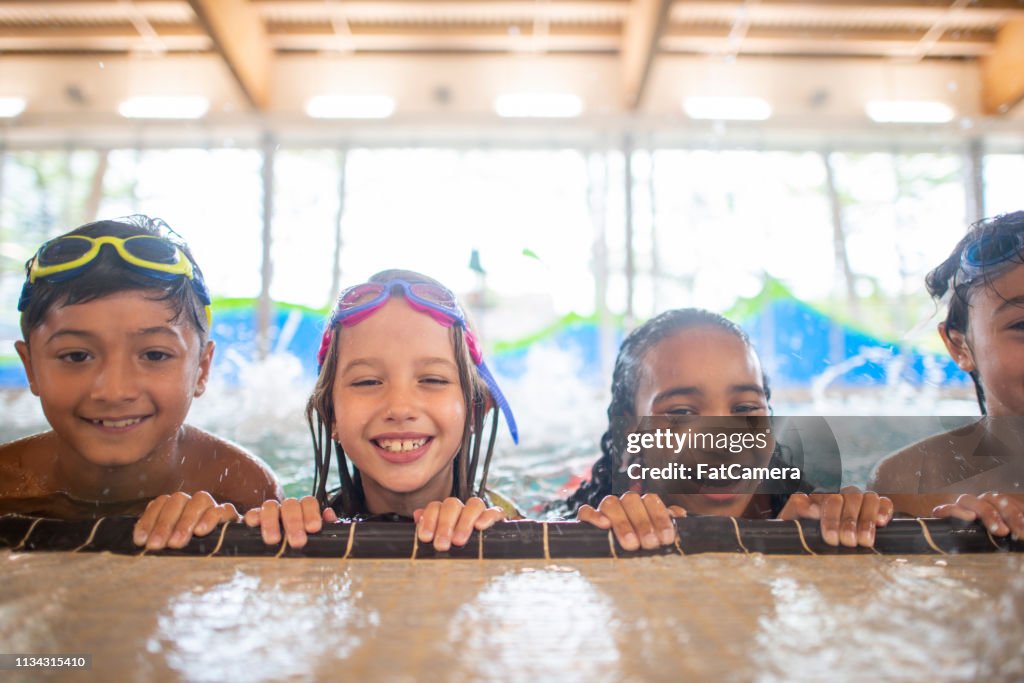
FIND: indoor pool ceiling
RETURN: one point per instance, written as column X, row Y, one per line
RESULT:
column 451, row 58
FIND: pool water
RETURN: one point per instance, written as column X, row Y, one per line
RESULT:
column 707, row 617
column 561, row 418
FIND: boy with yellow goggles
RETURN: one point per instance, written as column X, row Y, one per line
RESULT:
column 116, row 346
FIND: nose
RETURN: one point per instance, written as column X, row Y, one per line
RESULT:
column 116, row 381
column 401, row 402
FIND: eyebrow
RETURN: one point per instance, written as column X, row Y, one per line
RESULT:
column 373, row 363
column 70, row 333
column 1017, row 301
column 159, row 329
column 678, row 391
column 744, row 388
column 146, row 331
column 357, row 362
column 687, row 391
column 435, row 361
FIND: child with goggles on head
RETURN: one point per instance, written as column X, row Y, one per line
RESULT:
column 976, row 472
column 400, row 405
column 115, row 319
column 691, row 363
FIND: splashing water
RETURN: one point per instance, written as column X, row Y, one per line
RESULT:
column 561, row 416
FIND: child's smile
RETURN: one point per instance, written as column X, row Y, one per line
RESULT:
column 116, row 376
column 402, row 448
column 705, row 372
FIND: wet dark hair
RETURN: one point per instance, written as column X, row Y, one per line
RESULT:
column 625, row 382
column 108, row 274
column 349, row 499
column 949, row 278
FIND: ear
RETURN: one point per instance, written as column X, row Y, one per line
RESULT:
column 487, row 403
column 205, row 361
column 26, row 360
column 959, row 350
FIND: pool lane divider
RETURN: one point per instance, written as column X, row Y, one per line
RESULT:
column 510, row 540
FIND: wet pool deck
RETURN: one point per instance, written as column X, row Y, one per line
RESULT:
column 707, row 617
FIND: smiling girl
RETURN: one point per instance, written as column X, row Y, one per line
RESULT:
column 400, row 401
column 976, row 472
column 691, row 363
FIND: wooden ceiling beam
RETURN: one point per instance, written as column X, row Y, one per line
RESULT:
column 1002, row 71
column 911, row 14
column 854, row 46
column 409, row 42
column 238, row 34
column 103, row 38
column 644, row 25
column 98, row 31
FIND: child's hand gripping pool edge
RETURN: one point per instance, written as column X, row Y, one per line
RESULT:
column 639, row 521
column 848, row 518
column 296, row 517
column 1000, row 513
column 170, row 521
column 450, row 522
column 445, row 523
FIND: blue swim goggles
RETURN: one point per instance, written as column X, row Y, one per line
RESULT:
column 989, row 251
column 359, row 302
column 66, row 257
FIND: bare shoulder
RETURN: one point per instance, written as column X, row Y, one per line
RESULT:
column 26, row 465
column 928, row 458
column 915, row 477
column 896, row 470
column 227, row 471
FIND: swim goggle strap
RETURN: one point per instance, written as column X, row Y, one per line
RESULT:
column 990, row 251
column 357, row 303
column 66, row 257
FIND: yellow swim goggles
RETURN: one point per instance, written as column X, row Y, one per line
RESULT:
column 66, row 257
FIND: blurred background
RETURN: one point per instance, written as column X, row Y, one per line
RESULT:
column 569, row 167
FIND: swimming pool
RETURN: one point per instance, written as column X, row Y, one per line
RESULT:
column 561, row 417
column 668, row 618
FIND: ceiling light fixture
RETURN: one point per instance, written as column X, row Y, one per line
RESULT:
column 538, row 105
column 727, row 108
column 164, row 107
column 909, row 111
column 11, row 107
column 350, row 107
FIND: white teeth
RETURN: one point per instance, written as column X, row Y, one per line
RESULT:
column 400, row 445
column 119, row 423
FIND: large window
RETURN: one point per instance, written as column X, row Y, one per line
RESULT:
column 530, row 235
column 1004, row 177
column 212, row 197
column 726, row 219
column 901, row 215
column 525, row 214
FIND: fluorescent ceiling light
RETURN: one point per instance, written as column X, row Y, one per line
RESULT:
column 908, row 111
column 727, row 108
column 164, row 107
column 11, row 107
column 350, row 107
column 538, row 105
